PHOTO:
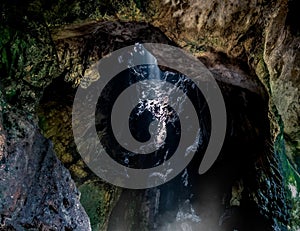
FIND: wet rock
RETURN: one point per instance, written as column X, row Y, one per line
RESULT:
column 36, row 190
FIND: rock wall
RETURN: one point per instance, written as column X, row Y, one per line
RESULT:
column 36, row 190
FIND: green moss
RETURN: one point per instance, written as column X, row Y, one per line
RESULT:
column 292, row 182
column 194, row 47
column 291, row 179
column 98, row 199
column 28, row 63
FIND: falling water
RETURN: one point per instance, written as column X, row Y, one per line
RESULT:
column 184, row 215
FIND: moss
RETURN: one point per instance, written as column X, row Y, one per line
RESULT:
column 27, row 65
column 194, row 47
column 67, row 158
column 292, row 183
column 55, row 122
column 130, row 13
column 291, row 179
column 98, row 199
column 78, row 171
column 262, row 72
column 60, row 12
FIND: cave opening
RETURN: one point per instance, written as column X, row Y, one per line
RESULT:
column 218, row 200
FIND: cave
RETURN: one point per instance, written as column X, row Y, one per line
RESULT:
column 217, row 200
column 50, row 55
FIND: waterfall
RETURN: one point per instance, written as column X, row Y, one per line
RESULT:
column 155, row 99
